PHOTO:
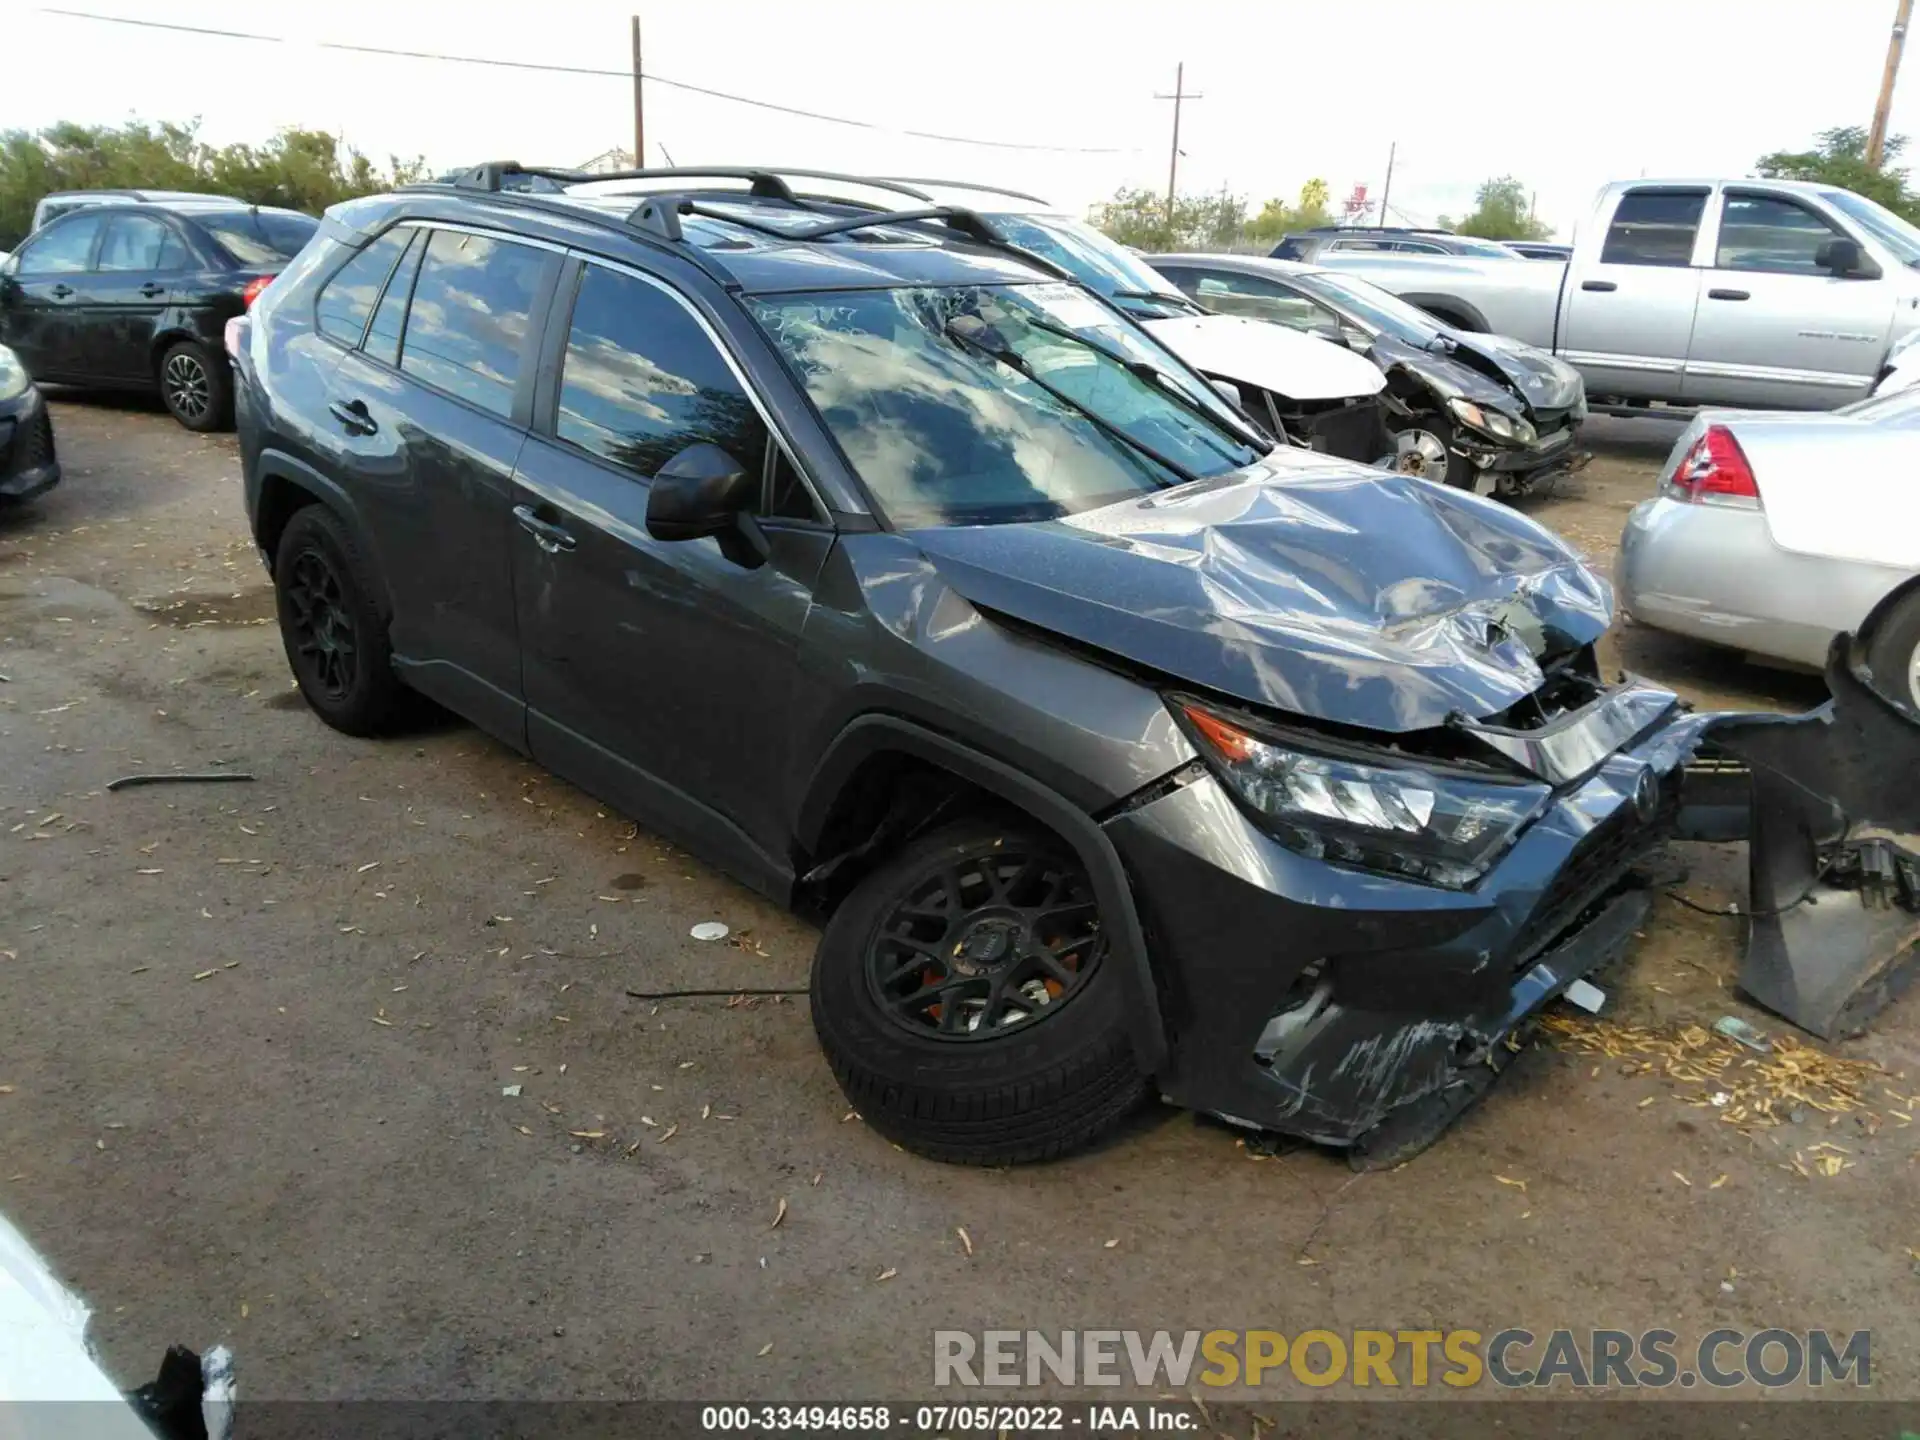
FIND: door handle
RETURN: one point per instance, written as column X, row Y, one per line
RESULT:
column 1598, row 285
column 547, row 535
column 353, row 416
column 150, row 290
column 1728, row 295
column 61, row 292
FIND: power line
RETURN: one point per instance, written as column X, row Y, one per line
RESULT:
column 588, row 70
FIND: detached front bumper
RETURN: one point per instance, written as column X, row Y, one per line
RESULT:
column 1316, row 1000
column 28, row 463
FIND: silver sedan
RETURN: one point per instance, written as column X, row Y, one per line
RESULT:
column 1772, row 532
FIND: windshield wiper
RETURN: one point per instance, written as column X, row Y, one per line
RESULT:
column 1160, row 380
column 956, row 331
column 1164, row 297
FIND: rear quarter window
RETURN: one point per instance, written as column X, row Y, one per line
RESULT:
column 347, row 299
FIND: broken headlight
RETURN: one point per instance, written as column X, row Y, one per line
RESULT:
column 1491, row 422
column 1406, row 820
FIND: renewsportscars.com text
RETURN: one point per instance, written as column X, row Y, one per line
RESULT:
column 1512, row 1358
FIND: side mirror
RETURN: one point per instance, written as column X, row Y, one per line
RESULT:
column 1843, row 257
column 701, row 491
column 1232, row 392
column 1332, row 334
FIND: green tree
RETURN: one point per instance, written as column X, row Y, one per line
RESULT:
column 1502, row 211
column 1278, row 219
column 1839, row 158
column 299, row 169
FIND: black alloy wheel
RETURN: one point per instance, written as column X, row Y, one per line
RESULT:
column 970, row 1002
column 979, row 945
column 326, row 649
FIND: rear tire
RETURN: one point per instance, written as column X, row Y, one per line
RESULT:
column 333, row 625
column 197, row 387
column 1893, row 654
column 958, row 1058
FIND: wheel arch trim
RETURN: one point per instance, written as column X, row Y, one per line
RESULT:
column 874, row 734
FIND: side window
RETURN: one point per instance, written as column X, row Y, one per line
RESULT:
column 347, row 299
column 1235, row 294
column 641, row 379
column 1363, row 245
column 472, row 308
column 140, row 242
column 1654, row 227
column 1765, row 232
column 788, row 496
column 390, row 318
column 59, row 249
column 1418, row 247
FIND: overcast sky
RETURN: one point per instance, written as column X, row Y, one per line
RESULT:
column 1564, row 95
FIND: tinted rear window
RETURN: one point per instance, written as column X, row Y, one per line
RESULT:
column 347, row 299
column 472, row 308
column 253, row 238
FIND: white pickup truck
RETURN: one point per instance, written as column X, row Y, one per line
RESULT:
column 1764, row 294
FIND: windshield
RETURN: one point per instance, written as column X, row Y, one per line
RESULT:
column 256, row 237
column 943, row 433
column 1376, row 308
column 1879, row 222
column 1097, row 261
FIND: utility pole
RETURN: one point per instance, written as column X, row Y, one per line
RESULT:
column 639, row 105
column 1387, row 189
column 1180, row 95
column 1877, row 136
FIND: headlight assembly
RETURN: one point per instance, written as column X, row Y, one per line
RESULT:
column 1491, row 422
column 13, row 375
column 1403, row 820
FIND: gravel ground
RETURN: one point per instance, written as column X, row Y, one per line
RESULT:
column 257, row 1036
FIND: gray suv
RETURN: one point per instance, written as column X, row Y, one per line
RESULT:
column 1122, row 750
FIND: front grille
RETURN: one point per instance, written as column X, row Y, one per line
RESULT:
column 1596, row 865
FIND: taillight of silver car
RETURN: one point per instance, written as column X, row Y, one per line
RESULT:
column 1714, row 471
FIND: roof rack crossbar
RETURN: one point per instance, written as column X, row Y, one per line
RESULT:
column 488, row 175
column 964, row 185
column 967, row 222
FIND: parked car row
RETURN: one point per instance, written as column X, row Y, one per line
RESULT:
column 134, row 293
column 1771, row 294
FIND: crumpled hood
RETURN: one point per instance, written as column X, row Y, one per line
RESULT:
column 1546, row 382
column 1292, row 365
column 1304, row 584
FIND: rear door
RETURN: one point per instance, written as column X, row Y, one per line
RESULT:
column 38, row 319
column 658, row 673
column 1629, row 314
column 122, row 298
column 429, row 413
column 1774, row 328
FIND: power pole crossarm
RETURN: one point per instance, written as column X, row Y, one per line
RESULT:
column 1877, row 136
column 1179, row 96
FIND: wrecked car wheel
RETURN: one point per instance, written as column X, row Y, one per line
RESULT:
column 334, row 632
column 965, row 999
column 1893, row 654
column 1423, row 448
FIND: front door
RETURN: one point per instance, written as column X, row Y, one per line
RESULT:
column 431, row 412
column 122, row 298
column 1628, row 318
column 658, row 673
column 38, row 295
column 1774, row 328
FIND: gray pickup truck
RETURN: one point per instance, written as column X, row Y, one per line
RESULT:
column 1766, row 294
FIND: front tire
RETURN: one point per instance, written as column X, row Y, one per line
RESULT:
column 1893, row 654
column 333, row 626
column 197, row 387
column 1423, row 448
column 967, row 1003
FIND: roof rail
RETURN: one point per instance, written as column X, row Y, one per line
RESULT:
column 966, row 185
column 967, row 222
column 488, row 175
column 769, row 181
